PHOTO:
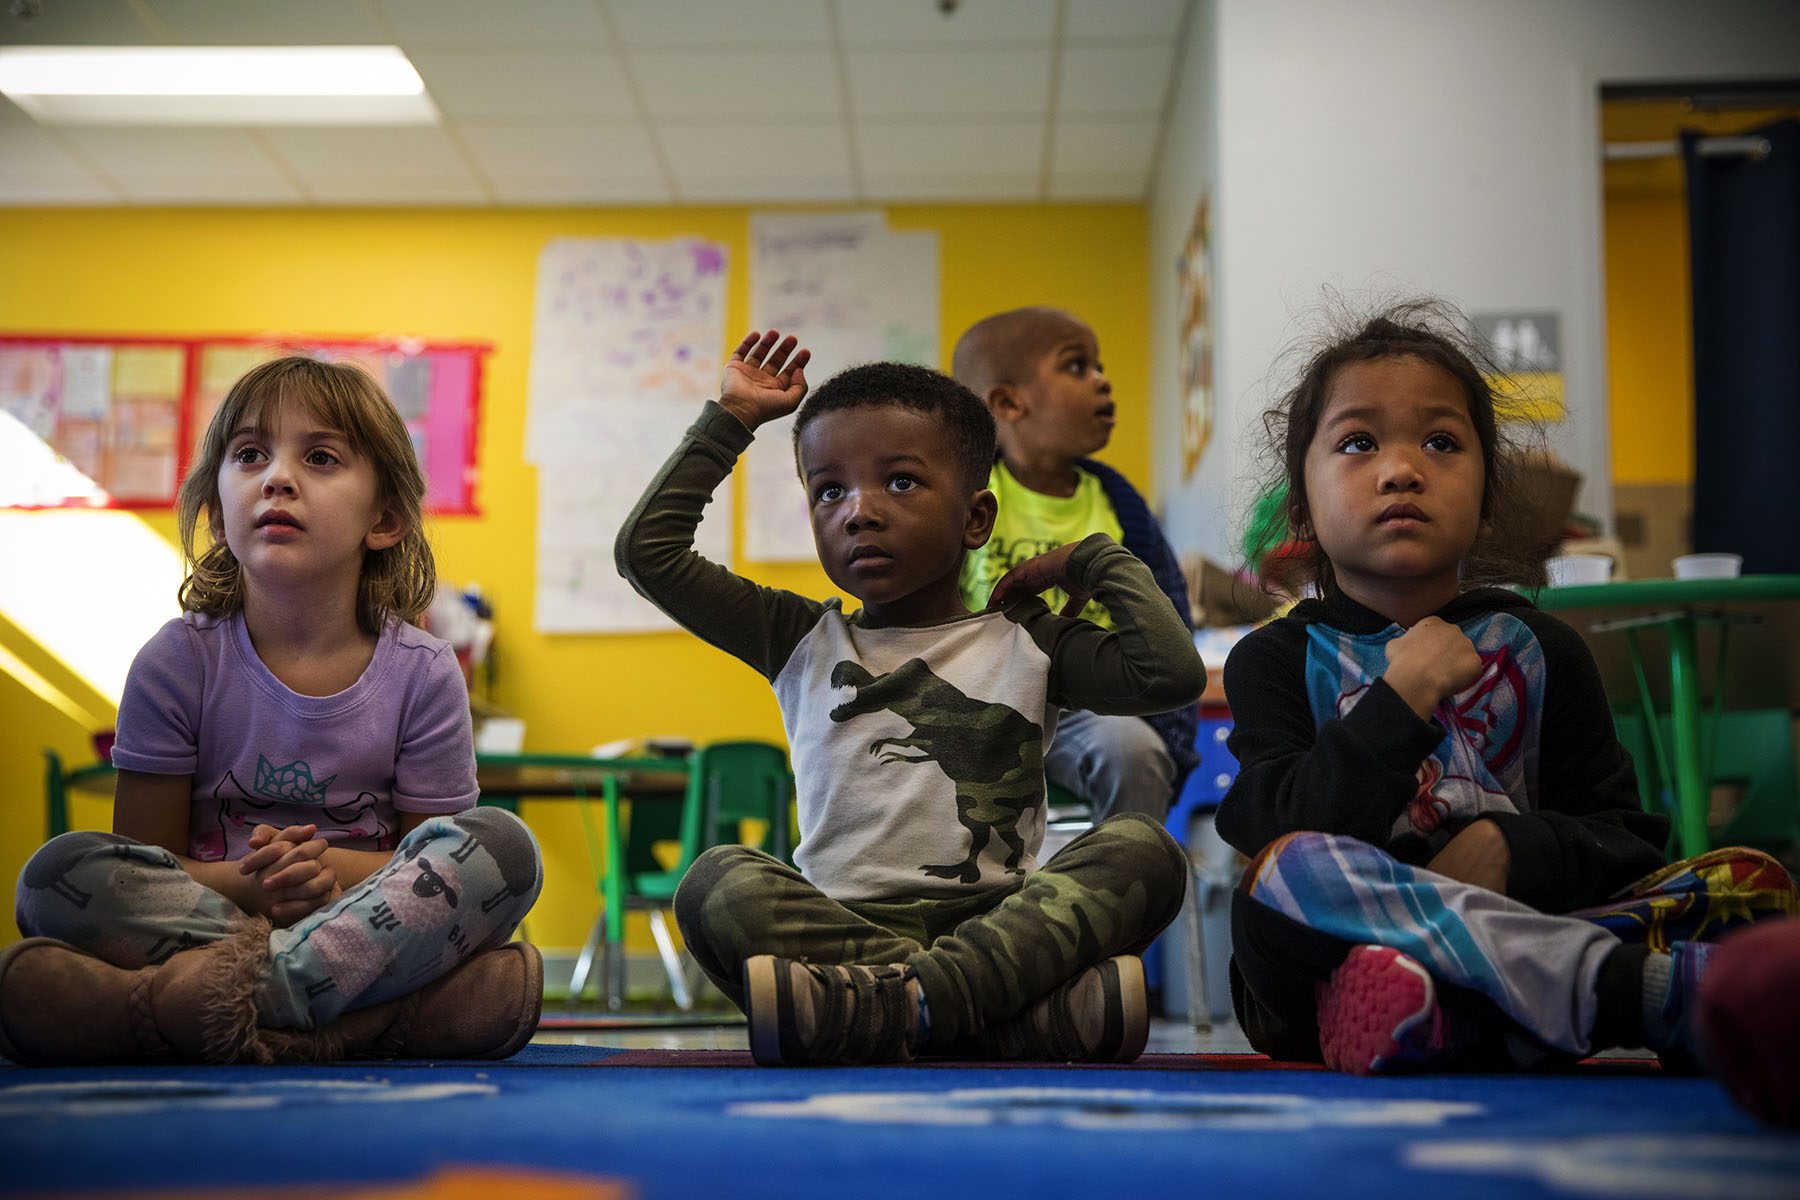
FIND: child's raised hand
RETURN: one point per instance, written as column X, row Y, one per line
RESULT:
column 765, row 378
column 1430, row 662
column 1038, row 574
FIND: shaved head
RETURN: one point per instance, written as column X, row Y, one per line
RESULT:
column 1006, row 347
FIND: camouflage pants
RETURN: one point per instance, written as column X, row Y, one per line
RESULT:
column 980, row 958
column 455, row 885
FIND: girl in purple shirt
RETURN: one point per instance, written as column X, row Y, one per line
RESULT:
column 296, row 870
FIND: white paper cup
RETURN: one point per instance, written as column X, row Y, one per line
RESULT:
column 1573, row 570
column 1708, row 566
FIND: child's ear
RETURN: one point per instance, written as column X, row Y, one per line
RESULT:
column 1006, row 402
column 388, row 529
column 979, row 525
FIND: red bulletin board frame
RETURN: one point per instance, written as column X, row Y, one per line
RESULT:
column 194, row 348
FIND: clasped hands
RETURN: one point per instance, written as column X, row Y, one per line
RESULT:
column 291, row 872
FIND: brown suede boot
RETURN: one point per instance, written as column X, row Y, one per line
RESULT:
column 59, row 1005
column 487, row 1007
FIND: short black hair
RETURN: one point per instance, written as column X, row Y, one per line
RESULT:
column 961, row 413
column 1006, row 347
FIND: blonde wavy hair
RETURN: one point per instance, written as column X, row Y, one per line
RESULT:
column 396, row 582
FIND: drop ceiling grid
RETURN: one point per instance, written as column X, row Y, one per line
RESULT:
column 647, row 102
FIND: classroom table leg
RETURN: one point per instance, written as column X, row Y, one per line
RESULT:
column 614, row 890
column 1684, row 702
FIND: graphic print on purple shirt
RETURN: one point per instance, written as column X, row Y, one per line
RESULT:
column 1487, row 761
column 286, row 796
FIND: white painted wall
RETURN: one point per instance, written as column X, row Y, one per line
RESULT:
column 1440, row 146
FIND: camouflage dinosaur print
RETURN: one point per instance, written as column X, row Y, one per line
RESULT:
column 993, row 754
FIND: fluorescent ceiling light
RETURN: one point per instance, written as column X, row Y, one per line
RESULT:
column 216, row 85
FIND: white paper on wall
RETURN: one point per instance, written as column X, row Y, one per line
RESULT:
column 852, row 291
column 626, row 343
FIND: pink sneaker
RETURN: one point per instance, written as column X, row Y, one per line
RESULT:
column 1379, row 1015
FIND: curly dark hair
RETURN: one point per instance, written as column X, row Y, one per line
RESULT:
column 962, row 414
column 1436, row 332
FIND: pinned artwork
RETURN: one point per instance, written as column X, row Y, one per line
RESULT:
column 626, row 343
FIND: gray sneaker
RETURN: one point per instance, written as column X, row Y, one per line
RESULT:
column 804, row 1012
column 1100, row 1016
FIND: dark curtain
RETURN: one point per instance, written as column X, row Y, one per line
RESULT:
column 1744, row 239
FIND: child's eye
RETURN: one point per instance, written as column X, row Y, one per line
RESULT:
column 321, row 458
column 1076, row 365
column 903, row 483
column 829, row 493
column 1442, row 442
column 245, row 454
column 1356, row 443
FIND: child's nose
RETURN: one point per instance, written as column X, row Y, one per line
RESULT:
column 864, row 512
column 1400, row 473
column 278, row 479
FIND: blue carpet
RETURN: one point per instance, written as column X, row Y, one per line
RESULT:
column 944, row 1130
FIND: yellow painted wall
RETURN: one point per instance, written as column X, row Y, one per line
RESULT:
column 470, row 275
column 1649, row 343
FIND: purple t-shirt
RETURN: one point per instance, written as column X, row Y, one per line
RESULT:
column 199, row 701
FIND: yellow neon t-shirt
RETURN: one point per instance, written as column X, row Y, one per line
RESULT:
column 1031, row 523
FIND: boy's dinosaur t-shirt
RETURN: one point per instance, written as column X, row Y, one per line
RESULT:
column 917, row 750
column 199, row 702
column 1029, row 524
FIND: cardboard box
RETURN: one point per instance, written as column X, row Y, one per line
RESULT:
column 1654, row 522
column 1543, row 497
column 1221, row 597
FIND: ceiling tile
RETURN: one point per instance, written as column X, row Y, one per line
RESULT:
column 166, row 153
column 479, row 24
column 518, row 189
column 194, row 189
column 1096, row 187
column 993, row 83
column 398, row 189
column 566, row 152
column 695, row 23
column 896, row 189
column 28, row 150
column 727, row 83
column 94, row 23
column 941, row 148
column 1099, row 147
column 270, row 22
column 816, row 150
column 767, row 189
column 351, row 154
column 1114, row 79
column 35, row 189
column 525, row 83
column 1107, row 19
column 883, row 22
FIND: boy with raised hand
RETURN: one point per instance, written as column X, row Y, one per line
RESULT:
column 919, row 921
column 1038, row 371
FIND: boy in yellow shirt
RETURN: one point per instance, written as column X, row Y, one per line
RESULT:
column 1038, row 370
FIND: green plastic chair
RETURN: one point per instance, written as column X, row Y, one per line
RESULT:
column 59, row 781
column 729, row 783
column 1752, row 750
